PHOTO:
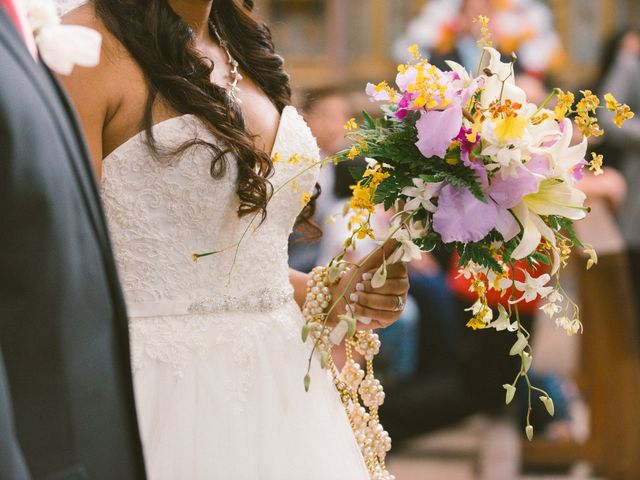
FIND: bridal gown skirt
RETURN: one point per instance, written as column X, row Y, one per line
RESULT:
column 223, row 398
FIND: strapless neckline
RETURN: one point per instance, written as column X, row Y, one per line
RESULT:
column 170, row 121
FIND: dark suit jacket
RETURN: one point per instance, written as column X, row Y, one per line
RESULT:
column 66, row 399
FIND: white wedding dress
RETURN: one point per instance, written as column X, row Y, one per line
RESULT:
column 216, row 350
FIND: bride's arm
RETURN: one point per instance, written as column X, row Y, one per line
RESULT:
column 89, row 88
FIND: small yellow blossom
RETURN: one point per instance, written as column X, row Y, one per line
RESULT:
column 476, row 323
column 295, row 186
column 623, row 113
column 402, row 68
column 384, row 86
column 365, row 231
column 565, row 102
column 353, row 153
column 485, row 33
column 596, row 163
column 195, row 257
column 276, row 157
column 351, row 124
column 612, row 103
column 294, row 159
column 362, row 198
column 414, row 50
column 305, row 198
column 588, row 126
column 588, row 103
column 564, row 249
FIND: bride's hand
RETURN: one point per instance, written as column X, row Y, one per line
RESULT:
column 373, row 307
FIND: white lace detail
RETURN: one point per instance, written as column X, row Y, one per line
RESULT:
column 160, row 213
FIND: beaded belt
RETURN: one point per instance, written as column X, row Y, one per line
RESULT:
column 262, row 300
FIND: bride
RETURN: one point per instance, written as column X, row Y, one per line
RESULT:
column 185, row 142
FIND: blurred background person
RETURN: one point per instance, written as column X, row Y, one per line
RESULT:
column 621, row 76
column 326, row 110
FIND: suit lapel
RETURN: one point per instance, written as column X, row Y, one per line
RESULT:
column 49, row 89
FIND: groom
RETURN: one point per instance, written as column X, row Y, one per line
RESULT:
column 66, row 400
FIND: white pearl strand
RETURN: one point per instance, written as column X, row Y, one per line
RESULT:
column 354, row 385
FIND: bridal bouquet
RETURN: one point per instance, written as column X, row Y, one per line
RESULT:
column 469, row 164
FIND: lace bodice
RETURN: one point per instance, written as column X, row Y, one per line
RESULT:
column 161, row 212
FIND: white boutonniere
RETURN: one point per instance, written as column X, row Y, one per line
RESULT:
column 61, row 47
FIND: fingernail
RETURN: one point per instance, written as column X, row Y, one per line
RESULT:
column 353, row 297
column 365, row 320
column 360, row 287
column 367, row 276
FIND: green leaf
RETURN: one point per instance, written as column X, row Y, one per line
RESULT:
column 357, row 171
column 540, row 258
column 369, row 122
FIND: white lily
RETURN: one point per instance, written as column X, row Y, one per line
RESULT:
column 563, row 156
column 421, row 194
column 555, row 197
column 533, row 288
column 501, row 85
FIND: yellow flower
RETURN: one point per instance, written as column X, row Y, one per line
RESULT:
column 414, row 51
column 351, row 124
column 294, row 159
column 365, row 231
column 420, row 101
column 596, row 163
column 384, row 86
column 565, row 102
column 195, row 257
column 476, row 323
column 276, row 157
column 305, row 198
column 623, row 113
column 589, row 102
column 588, row 126
column 353, row 153
column 612, row 103
column 510, row 127
column 485, row 33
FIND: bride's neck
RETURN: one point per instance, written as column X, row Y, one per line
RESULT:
column 195, row 13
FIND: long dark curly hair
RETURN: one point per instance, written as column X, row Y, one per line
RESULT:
column 180, row 76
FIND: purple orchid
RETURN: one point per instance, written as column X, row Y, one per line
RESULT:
column 436, row 130
column 461, row 217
